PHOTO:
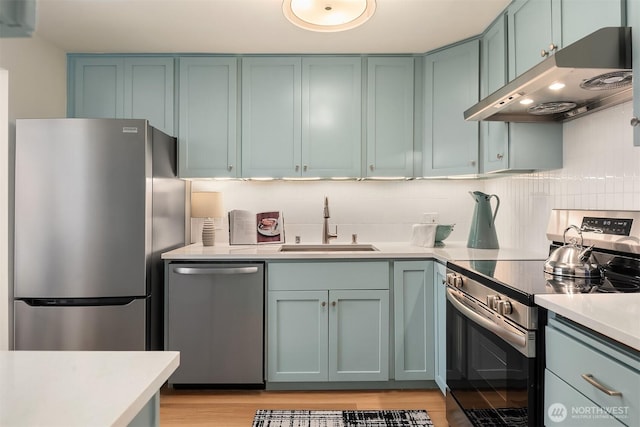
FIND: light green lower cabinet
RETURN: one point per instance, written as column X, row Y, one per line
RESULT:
column 298, row 336
column 333, row 335
column 327, row 321
column 413, row 320
column 589, row 381
column 440, row 308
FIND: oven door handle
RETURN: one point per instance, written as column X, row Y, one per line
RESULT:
column 517, row 340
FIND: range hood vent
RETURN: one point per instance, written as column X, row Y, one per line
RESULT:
column 595, row 72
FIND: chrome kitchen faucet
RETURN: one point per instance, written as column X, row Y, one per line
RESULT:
column 326, row 235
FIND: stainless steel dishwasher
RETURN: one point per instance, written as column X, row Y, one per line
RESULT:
column 214, row 316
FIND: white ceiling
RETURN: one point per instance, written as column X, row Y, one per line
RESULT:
column 253, row 26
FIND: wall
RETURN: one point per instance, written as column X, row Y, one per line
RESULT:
column 37, row 82
column 4, row 207
column 601, row 171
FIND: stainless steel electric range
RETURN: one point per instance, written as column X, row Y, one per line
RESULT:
column 495, row 347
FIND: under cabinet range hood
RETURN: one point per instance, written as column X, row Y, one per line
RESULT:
column 589, row 75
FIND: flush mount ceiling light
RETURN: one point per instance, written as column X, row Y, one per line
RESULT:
column 328, row 15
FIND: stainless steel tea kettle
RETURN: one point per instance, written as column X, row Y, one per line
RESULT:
column 483, row 228
column 573, row 259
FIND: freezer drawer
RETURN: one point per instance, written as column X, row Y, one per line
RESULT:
column 215, row 318
column 105, row 328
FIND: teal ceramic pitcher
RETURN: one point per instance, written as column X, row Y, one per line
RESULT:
column 482, row 234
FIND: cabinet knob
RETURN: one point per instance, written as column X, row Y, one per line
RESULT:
column 500, row 156
column 229, row 168
column 552, row 48
column 323, row 303
column 371, row 167
column 333, row 303
column 297, row 168
column 304, row 168
column 472, row 162
column 635, row 121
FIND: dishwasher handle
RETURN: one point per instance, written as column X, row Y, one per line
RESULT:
column 215, row 270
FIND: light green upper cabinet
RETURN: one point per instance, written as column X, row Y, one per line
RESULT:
column 512, row 146
column 633, row 14
column 331, row 116
column 207, row 127
column 539, row 27
column 451, row 85
column 17, row 18
column 124, row 87
column 271, row 98
column 574, row 19
column 301, row 117
column 390, row 97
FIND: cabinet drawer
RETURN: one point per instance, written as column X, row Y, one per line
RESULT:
column 328, row 275
column 570, row 359
column 565, row 406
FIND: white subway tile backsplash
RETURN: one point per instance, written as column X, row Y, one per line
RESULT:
column 601, row 171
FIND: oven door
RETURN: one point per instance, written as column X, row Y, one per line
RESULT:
column 491, row 367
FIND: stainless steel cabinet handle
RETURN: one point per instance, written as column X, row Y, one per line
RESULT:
column 215, row 270
column 635, row 121
column 589, row 378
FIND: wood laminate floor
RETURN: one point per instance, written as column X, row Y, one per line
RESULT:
column 218, row 408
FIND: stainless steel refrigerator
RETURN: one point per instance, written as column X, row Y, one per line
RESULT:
column 96, row 203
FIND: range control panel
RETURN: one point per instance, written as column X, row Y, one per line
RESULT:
column 615, row 226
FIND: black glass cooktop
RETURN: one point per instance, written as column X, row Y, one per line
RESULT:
column 527, row 277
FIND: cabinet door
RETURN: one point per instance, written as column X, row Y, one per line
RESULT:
column 331, row 117
column 413, row 320
column 574, row 19
column 493, row 74
column 359, row 335
column 98, row 88
column 529, row 34
column 297, row 336
column 440, row 296
column 451, row 86
column 633, row 16
column 271, row 91
column 207, row 127
column 148, row 91
column 390, row 117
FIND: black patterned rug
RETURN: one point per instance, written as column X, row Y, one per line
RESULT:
column 501, row 417
column 386, row 418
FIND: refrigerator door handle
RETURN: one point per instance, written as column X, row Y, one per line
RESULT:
column 216, row 270
column 77, row 302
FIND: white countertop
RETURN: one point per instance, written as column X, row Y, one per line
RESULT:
column 616, row 316
column 387, row 250
column 78, row 388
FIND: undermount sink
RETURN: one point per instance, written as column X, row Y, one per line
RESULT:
column 354, row 247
